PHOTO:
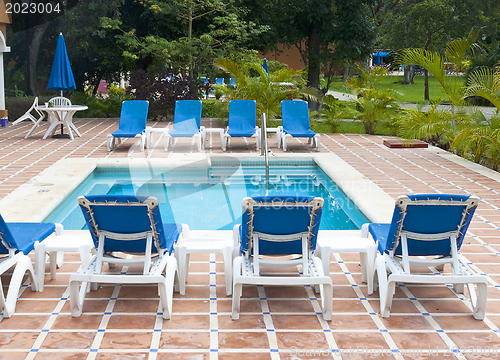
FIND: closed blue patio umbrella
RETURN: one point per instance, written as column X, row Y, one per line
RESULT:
column 264, row 65
column 61, row 76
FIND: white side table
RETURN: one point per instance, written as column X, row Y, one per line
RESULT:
column 70, row 241
column 278, row 130
column 205, row 242
column 344, row 242
column 149, row 134
column 215, row 130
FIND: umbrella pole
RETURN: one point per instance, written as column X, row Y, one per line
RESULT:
column 62, row 135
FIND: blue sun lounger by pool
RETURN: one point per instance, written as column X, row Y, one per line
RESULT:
column 129, row 225
column 242, row 121
column 16, row 242
column 296, row 123
column 427, row 230
column 284, row 230
column 133, row 117
column 187, row 122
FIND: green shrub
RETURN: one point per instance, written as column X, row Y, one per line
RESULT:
column 101, row 106
column 214, row 109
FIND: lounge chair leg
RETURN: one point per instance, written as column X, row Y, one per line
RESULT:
column 237, row 287
column 23, row 265
column 228, row 269
column 166, row 288
column 386, row 288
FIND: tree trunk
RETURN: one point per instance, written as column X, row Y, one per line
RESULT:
column 426, row 73
column 313, row 52
column 409, row 74
column 33, row 48
column 426, row 85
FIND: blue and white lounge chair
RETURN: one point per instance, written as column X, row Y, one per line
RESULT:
column 242, row 121
column 128, row 225
column 133, row 117
column 427, row 230
column 16, row 241
column 232, row 82
column 284, row 230
column 219, row 81
column 295, row 117
column 187, row 122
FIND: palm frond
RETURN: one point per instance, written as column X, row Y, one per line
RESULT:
column 429, row 60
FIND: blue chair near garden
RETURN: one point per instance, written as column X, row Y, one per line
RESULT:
column 133, row 117
column 427, row 231
column 127, row 225
column 296, row 123
column 242, row 121
column 281, row 232
column 187, row 122
column 219, row 81
column 17, row 240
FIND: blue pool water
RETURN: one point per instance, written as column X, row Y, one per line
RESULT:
column 210, row 198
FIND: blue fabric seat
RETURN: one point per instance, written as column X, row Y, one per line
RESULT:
column 17, row 240
column 133, row 117
column 242, row 121
column 187, row 122
column 296, row 123
column 427, row 230
column 131, row 225
column 280, row 231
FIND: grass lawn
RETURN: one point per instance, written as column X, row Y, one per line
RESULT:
column 407, row 93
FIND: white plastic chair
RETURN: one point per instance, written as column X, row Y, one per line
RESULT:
column 34, row 115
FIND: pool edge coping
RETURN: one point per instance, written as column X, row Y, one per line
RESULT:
column 56, row 182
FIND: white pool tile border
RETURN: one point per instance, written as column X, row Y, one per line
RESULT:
column 35, row 199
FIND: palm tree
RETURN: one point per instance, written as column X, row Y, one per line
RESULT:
column 268, row 90
column 433, row 62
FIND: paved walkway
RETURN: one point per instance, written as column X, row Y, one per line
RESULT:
column 488, row 111
column 429, row 322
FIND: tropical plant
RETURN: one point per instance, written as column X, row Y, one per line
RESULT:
column 485, row 82
column 268, row 90
column 333, row 111
column 433, row 62
column 479, row 140
column 431, row 125
column 373, row 104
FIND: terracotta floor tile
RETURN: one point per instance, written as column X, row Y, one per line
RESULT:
column 360, row 341
column 125, row 305
column 246, row 306
column 399, row 322
column 417, row 340
column 352, row 322
column 68, row 340
column 226, row 322
column 184, row 305
column 242, row 340
column 199, row 322
column 245, row 356
column 398, row 306
column 35, row 306
column 290, row 322
column 17, row 340
column 119, row 340
column 306, row 340
column 465, row 322
column 290, row 306
column 185, row 340
column 144, row 322
column 83, row 322
column 24, row 322
column 9, row 355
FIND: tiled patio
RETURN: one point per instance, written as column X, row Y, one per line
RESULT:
column 427, row 322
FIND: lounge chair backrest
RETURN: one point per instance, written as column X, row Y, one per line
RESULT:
column 242, row 117
column 187, row 116
column 295, row 115
column 60, row 101
column 430, row 214
column 280, row 215
column 124, row 214
column 133, row 116
column 219, row 81
column 7, row 241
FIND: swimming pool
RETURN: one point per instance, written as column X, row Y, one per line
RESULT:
column 209, row 197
